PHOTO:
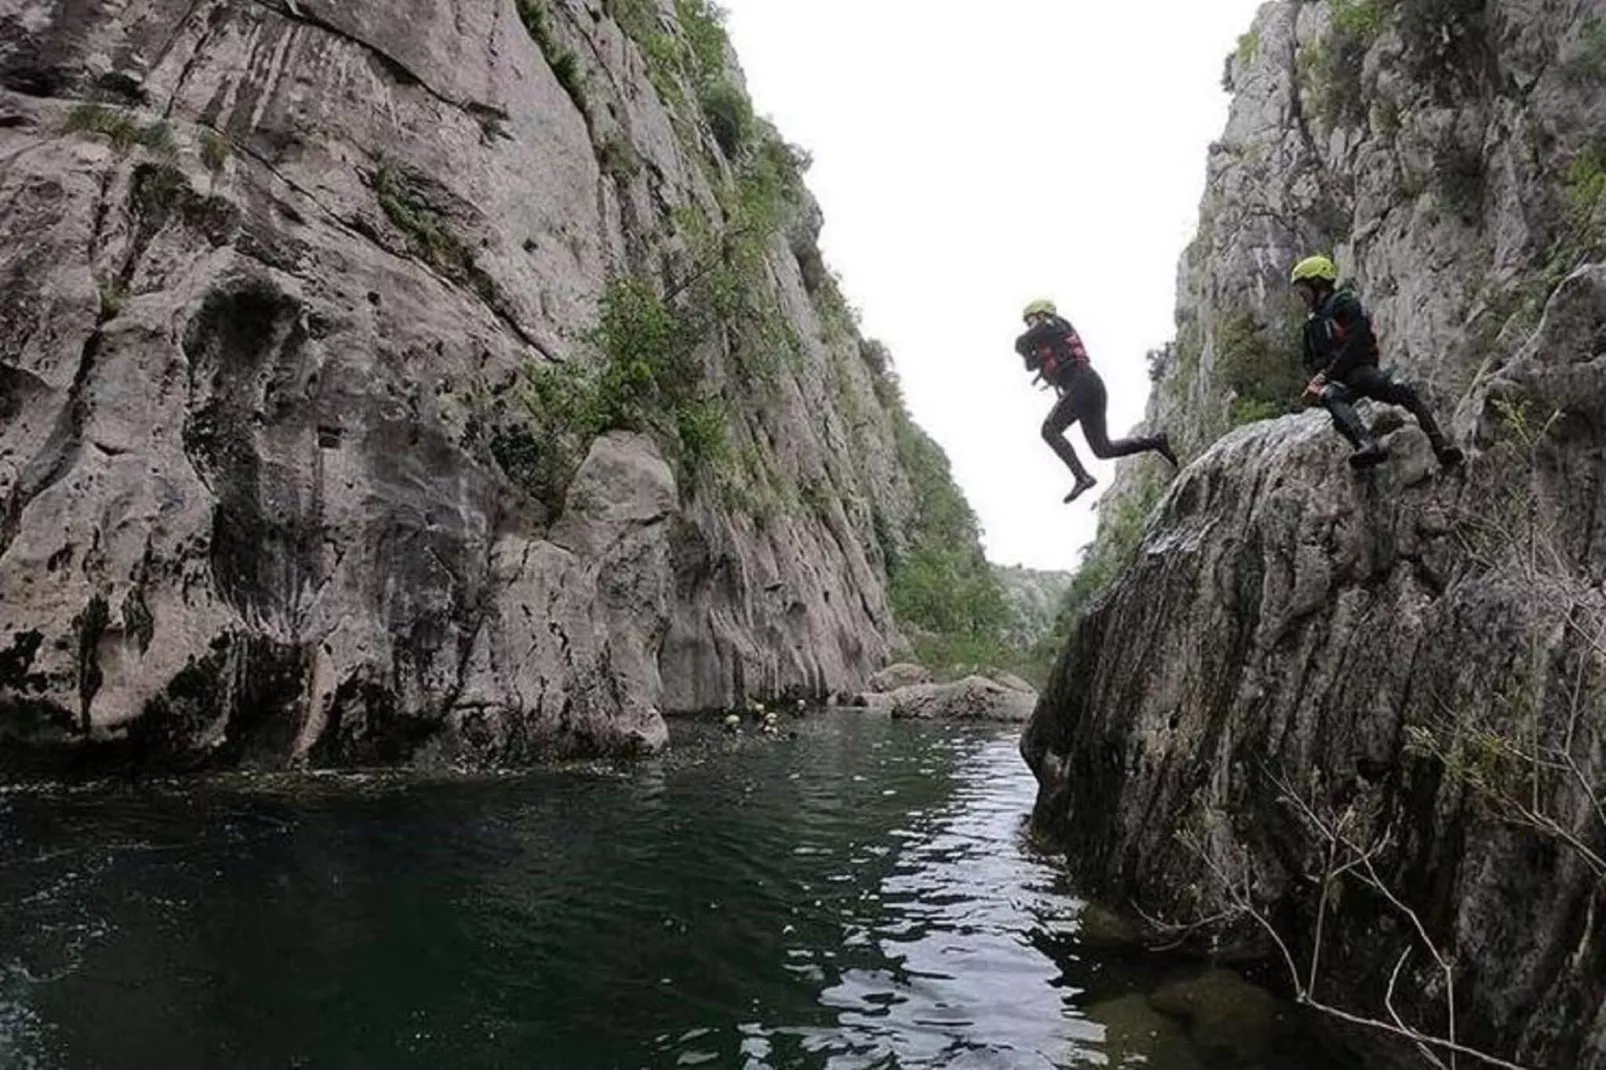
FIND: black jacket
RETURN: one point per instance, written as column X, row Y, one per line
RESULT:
column 1053, row 348
column 1338, row 337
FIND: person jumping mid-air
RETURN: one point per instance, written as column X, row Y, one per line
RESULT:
column 1342, row 356
column 1052, row 349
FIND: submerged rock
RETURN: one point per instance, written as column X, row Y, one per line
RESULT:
column 1138, row 1036
column 1227, row 1016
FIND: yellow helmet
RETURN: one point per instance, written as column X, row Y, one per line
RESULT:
column 1314, row 267
column 1041, row 307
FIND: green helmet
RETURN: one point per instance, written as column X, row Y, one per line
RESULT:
column 1041, row 307
column 1312, row 268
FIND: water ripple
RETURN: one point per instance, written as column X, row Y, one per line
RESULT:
column 861, row 896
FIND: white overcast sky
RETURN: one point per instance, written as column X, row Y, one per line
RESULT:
column 969, row 157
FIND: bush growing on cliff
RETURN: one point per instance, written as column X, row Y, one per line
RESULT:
column 729, row 115
column 1586, row 182
column 1331, row 69
column 120, row 128
column 427, row 231
column 564, row 63
column 649, row 378
column 1588, row 63
column 1259, row 366
column 1442, row 40
column 215, row 150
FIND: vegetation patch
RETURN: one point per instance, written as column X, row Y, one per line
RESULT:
column 564, row 63
column 1442, row 41
column 941, row 585
column 1588, row 63
column 215, row 150
column 1586, row 182
column 1331, row 69
column 121, row 128
column 1260, row 366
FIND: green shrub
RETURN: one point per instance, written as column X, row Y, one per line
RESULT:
column 1588, row 64
column 1253, row 410
column 1259, row 365
column 564, row 63
column 1331, row 69
column 648, row 378
column 618, row 158
column 113, row 296
column 702, row 426
column 703, row 24
column 1442, row 39
column 1585, row 181
column 942, row 583
column 215, row 150
column 427, row 231
column 120, row 128
column 729, row 115
column 1248, row 48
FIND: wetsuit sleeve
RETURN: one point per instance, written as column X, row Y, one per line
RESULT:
column 1028, row 353
column 1044, row 335
column 1313, row 350
column 1350, row 337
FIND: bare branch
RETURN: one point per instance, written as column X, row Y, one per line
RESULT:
column 1388, row 1004
column 1413, row 1036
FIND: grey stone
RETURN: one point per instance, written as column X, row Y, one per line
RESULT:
column 1288, row 627
column 975, row 698
column 902, row 674
column 255, row 504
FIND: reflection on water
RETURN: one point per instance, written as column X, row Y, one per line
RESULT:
column 861, row 896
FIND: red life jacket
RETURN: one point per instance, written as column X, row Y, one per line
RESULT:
column 1061, row 351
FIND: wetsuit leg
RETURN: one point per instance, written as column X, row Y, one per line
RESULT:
column 1340, row 405
column 1060, row 418
column 1091, row 400
column 1339, row 401
column 1372, row 382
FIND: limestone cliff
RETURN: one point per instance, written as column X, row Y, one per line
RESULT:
column 425, row 380
column 1415, row 658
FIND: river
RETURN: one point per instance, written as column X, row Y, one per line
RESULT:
column 854, row 893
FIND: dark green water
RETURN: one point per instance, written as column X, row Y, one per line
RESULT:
column 861, row 896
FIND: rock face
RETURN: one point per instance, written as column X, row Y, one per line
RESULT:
column 903, row 674
column 1411, row 657
column 278, row 281
column 975, row 698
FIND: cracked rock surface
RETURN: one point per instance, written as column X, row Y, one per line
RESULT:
column 1291, row 638
column 252, row 504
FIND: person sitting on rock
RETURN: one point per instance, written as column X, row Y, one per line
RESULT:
column 1341, row 355
column 1052, row 348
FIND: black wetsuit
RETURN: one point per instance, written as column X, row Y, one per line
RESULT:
column 1340, row 343
column 1054, row 350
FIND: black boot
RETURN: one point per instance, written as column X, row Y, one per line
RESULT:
column 1084, row 483
column 1161, row 444
column 1449, row 456
column 1368, row 450
column 1443, row 449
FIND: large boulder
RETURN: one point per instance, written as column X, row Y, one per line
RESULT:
column 975, row 698
column 903, row 674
